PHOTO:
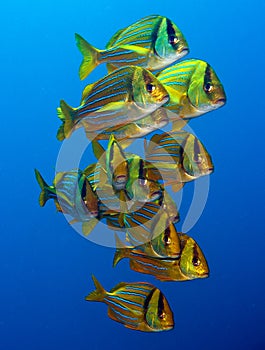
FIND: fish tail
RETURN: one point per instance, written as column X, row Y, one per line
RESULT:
column 91, row 56
column 67, row 115
column 45, row 189
column 121, row 251
column 98, row 294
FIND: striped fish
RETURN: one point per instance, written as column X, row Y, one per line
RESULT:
column 179, row 157
column 116, row 164
column 164, row 241
column 190, row 265
column 73, row 195
column 148, row 227
column 137, row 220
column 141, row 185
column 138, row 306
column 153, row 42
column 123, row 171
column 193, row 87
column 124, row 96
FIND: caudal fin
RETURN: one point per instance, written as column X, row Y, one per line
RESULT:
column 98, row 294
column 67, row 115
column 121, row 251
column 90, row 56
column 46, row 190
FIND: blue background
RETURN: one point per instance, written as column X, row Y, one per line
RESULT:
column 45, row 266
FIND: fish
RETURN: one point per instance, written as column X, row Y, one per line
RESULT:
column 156, row 120
column 124, row 171
column 116, row 164
column 121, row 97
column 137, row 305
column 140, row 185
column 152, row 42
column 72, row 195
column 179, row 157
column 194, row 89
column 190, row 265
column 148, row 227
column 164, row 241
column 135, row 218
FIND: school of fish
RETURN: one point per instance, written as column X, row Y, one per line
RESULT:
column 146, row 89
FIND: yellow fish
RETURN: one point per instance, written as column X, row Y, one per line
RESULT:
column 138, row 306
column 193, row 87
column 190, row 265
column 123, row 96
column 153, row 42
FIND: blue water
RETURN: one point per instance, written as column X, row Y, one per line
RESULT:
column 45, row 266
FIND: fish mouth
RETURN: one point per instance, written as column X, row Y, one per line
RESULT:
column 205, row 275
column 169, row 326
column 164, row 99
column 220, row 102
column 93, row 214
column 183, row 51
column 155, row 195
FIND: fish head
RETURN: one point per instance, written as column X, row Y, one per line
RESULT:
column 170, row 44
column 205, row 92
column 116, row 164
column 144, row 190
column 140, row 186
column 166, row 242
column 90, row 199
column 196, row 161
column 148, row 93
column 158, row 314
column 192, row 261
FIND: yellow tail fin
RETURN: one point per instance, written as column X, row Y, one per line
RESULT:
column 98, row 294
column 90, row 54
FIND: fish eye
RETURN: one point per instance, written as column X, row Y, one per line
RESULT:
column 196, row 261
column 142, row 182
column 150, row 88
column 173, row 40
column 198, row 159
column 167, row 240
column 208, row 87
column 162, row 315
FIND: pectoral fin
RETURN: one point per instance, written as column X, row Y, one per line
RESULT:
column 177, row 186
column 88, row 226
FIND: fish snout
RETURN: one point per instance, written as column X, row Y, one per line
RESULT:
column 220, row 102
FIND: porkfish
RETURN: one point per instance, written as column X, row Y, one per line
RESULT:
column 124, row 171
column 148, row 227
column 179, row 157
column 190, row 265
column 153, row 42
column 138, row 306
column 123, row 96
column 193, row 87
column 72, row 195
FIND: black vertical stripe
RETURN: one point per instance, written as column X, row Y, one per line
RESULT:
column 141, row 170
column 207, row 74
column 160, row 308
column 148, row 299
column 170, row 30
column 196, row 150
